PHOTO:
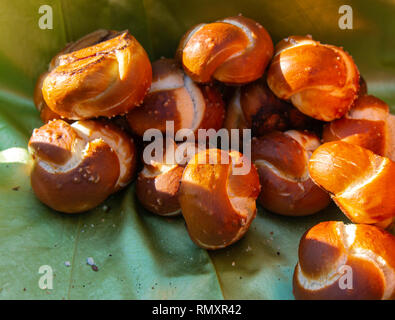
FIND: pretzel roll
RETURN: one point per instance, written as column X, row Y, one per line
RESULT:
column 159, row 181
column 217, row 204
column 46, row 114
column 234, row 118
column 106, row 79
column 368, row 124
column 255, row 106
column 118, row 140
column 175, row 97
column 281, row 159
column 345, row 262
column 360, row 182
column 234, row 50
column 321, row 80
column 78, row 166
column 88, row 40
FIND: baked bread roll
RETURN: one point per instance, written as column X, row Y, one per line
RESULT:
column 218, row 205
column 175, row 97
column 345, row 262
column 90, row 39
column 360, row 182
column 46, row 114
column 281, row 159
column 321, row 80
column 235, row 50
column 159, row 181
column 368, row 124
column 78, row 166
column 105, row 79
column 254, row 106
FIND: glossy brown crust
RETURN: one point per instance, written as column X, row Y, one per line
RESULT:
column 218, row 206
column 158, row 193
column 158, row 183
column 106, row 79
column 88, row 40
column 120, row 142
column 254, row 106
column 365, row 133
column 46, row 114
column 235, row 50
column 360, row 182
column 53, row 142
column 174, row 97
column 313, row 75
column 76, row 167
column 78, row 190
column 282, row 163
column 370, row 131
column 264, row 112
column 157, row 108
column 234, row 118
column 214, row 115
column 324, row 250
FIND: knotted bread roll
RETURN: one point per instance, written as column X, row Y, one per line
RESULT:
column 175, row 97
column 281, row 159
column 339, row 262
column 159, row 181
column 368, row 124
column 78, row 166
column 106, row 79
column 235, row 50
column 254, row 106
column 46, row 114
column 321, row 80
column 360, row 182
column 218, row 205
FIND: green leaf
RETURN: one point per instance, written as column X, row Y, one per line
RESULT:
column 140, row 255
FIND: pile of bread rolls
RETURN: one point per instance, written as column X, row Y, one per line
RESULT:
column 317, row 136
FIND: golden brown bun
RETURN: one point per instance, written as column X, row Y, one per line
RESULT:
column 321, row 80
column 175, row 97
column 327, row 249
column 360, row 182
column 159, row 181
column 368, row 124
column 88, row 40
column 106, row 79
column 157, row 189
column 234, row 118
column 282, row 163
column 78, row 166
column 46, row 114
column 218, row 205
column 118, row 140
column 234, row 50
column 254, row 106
